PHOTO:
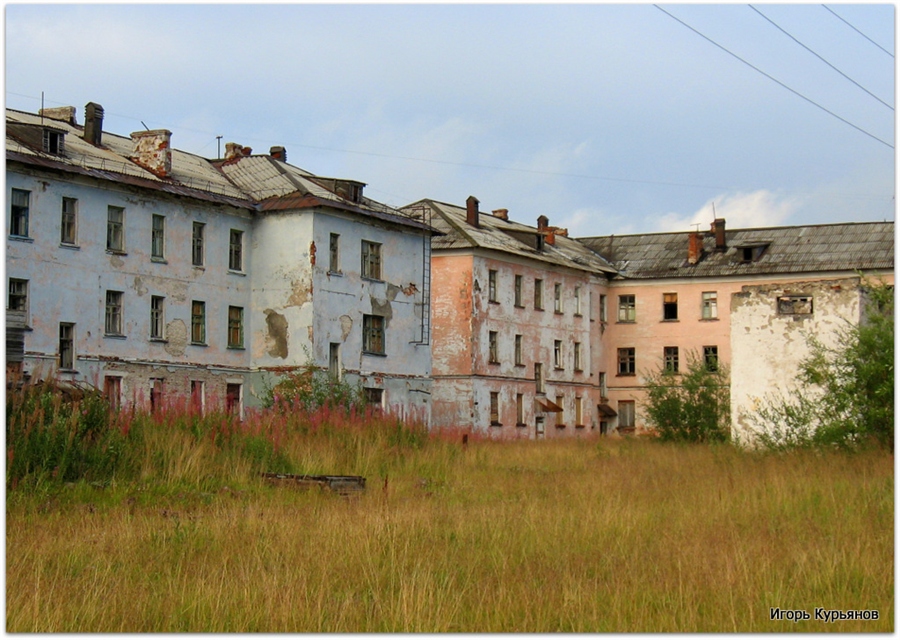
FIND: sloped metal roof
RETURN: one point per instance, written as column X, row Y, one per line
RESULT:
column 860, row 246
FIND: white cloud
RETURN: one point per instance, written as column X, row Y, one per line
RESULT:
column 761, row 208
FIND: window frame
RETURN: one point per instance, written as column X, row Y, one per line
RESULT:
column 577, row 364
column 627, row 308
column 627, row 413
column 158, row 237
column 626, row 359
column 517, row 290
column 157, row 318
column 492, row 285
column 493, row 348
column 372, row 266
column 66, row 345
column 235, row 327
column 539, row 384
column 670, row 307
column 373, row 342
column 557, row 297
column 115, row 229
column 539, row 294
column 68, row 221
column 22, row 298
column 198, row 244
column 517, row 351
column 520, row 409
column 577, row 295
column 711, row 358
column 557, row 355
column 334, row 253
column 198, row 322
column 709, row 305
column 236, row 250
column 495, row 409
column 671, row 360
column 114, row 317
column 19, row 214
column 790, row 305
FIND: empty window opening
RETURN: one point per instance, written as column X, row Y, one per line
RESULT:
column 539, row 377
column 334, row 360
column 492, row 285
column 557, row 354
column 112, row 391
column 538, row 294
column 334, row 256
column 54, row 142
column 795, row 305
column 493, row 356
column 576, row 356
column 198, row 396
column 233, row 398
column 156, row 394
column 517, row 290
column 17, row 298
column 374, row 397
column 518, row 350
column 520, row 410
column 557, row 297
column 670, row 306
column 711, row 358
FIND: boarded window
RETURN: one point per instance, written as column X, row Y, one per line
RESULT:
column 795, row 305
column 625, row 409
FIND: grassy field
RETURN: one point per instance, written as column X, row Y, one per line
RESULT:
column 585, row 536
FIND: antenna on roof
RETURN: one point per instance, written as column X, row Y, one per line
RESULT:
column 42, row 107
column 145, row 126
column 218, row 146
column 696, row 226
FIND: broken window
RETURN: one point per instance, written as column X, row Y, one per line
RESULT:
column 334, row 360
column 19, row 204
column 236, row 250
column 557, row 298
column 235, row 327
column 198, row 248
column 518, row 350
column 538, row 294
column 115, row 229
column 156, row 394
column 576, row 356
column 157, row 317
column 373, row 334
column 625, row 409
column 374, row 397
column 198, row 396
column 495, row 409
column 233, row 397
column 709, row 305
column 158, row 237
column 711, row 358
column 198, row 322
column 334, row 262
column 520, row 410
column 626, row 308
column 579, row 409
column 113, row 324
column 752, row 253
column 66, row 345
column 68, row 225
column 602, row 382
column 557, row 354
column 670, row 357
column 492, row 348
column 518, row 291
column 577, row 301
column 17, row 298
column 112, row 391
column 795, row 305
column 371, row 260
column 492, row 285
column 670, row 306
column 539, row 377
column 626, row 361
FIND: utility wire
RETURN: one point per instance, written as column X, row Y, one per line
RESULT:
column 772, row 22
column 775, row 80
column 858, row 31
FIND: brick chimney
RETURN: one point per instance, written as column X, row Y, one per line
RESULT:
column 153, row 151
column 543, row 223
column 550, row 238
column 695, row 247
column 472, row 211
column 718, row 230
column 503, row 214
column 93, row 123
column 66, row 114
column 279, row 153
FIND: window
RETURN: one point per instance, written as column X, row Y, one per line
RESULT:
column 66, row 345
column 495, row 409
column 626, row 414
column 795, row 305
column 374, row 397
column 576, row 356
column 157, row 317
column 334, row 256
column 54, row 142
column 538, row 294
column 373, row 334
column 68, row 226
column 18, row 214
column 518, row 290
column 17, row 299
column 492, row 285
column 518, row 349
column 492, row 348
column 198, row 396
column 711, row 358
column 626, row 309
column 236, row 250
column 670, row 306
column 115, row 229
column 520, row 410
column 557, row 298
column 156, row 394
column 371, row 260
column 577, row 301
column 539, row 377
column 603, row 316
column 233, row 392
column 113, row 324
column 603, row 390
column 235, row 327
column 560, row 417
column 709, row 305
column 579, row 409
column 158, row 237
column 198, row 248
column 752, row 253
column 112, row 391
column 557, row 354
column 670, row 358
column 626, row 361
column 334, row 360
column 198, row 322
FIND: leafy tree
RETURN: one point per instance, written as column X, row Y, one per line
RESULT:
column 693, row 406
column 847, row 391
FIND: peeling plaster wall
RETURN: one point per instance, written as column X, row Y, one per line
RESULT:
column 767, row 346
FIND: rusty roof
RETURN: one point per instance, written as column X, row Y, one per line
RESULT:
column 861, row 246
column 505, row 236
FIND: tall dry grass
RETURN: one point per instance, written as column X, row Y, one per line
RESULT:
column 585, row 536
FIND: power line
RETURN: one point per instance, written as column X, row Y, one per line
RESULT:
column 772, row 22
column 775, row 80
column 858, row 31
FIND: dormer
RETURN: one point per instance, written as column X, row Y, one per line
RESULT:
column 350, row 190
column 40, row 137
column 54, row 141
column 751, row 251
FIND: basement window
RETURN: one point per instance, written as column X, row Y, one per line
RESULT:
column 795, row 305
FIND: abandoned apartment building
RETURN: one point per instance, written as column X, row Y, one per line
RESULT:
column 153, row 273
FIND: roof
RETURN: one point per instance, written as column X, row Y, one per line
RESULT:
column 504, row 236
column 861, row 246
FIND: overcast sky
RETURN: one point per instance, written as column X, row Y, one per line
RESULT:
column 605, row 118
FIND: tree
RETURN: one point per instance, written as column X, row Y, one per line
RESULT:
column 847, row 391
column 693, row 406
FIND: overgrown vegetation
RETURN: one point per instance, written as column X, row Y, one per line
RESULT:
column 693, row 406
column 846, row 394
column 311, row 388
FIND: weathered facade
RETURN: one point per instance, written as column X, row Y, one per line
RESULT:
column 153, row 273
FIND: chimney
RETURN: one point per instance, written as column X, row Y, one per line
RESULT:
column 472, row 211
column 279, row 153
column 543, row 222
column 152, row 150
column 66, row 114
column 233, row 150
column 550, row 238
column 561, row 232
column 695, row 247
column 718, row 229
column 503, row 214
column 93, row 123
